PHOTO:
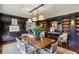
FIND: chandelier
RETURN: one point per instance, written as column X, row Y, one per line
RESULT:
column 37, row 17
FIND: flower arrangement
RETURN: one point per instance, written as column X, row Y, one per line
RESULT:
column 37, row 30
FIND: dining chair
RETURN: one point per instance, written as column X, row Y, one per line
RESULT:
column 18, row 42
column 25, row 48
column 63, row 38
column 52, row 49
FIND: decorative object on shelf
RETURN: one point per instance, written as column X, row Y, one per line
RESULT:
column 53, row 28
column 72, row 22
column 37, row 30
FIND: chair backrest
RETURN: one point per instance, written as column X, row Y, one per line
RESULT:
column 64, row 36
column 22, row 46
column 54, row 47
column 23, row 49
column 18, row 41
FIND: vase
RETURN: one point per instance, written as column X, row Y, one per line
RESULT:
column 37, row 35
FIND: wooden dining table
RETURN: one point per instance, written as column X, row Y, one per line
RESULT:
column 42, row 43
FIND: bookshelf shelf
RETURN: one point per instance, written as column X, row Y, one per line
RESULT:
column 66, row 25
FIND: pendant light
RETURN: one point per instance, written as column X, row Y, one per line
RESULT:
column 37, row 17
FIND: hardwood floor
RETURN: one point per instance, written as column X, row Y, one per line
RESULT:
column 3, row 43
column 1, row 47
column 71, row 47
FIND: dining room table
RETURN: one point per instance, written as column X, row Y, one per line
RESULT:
column 40, row 44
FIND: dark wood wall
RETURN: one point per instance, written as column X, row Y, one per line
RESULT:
column 5, row 21
column 73, row 30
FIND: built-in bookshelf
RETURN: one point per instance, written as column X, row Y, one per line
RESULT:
column 66, row 24
column 77, row 25
column 43, row 24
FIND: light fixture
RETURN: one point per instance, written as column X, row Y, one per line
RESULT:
column 41, row 17
column 34, row 18
column 37, row 17
column 29, row 20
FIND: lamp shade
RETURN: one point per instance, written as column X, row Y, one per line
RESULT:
column 29, row 20
column 34, row 19
column 41, row 17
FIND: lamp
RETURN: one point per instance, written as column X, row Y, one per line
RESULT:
column 29, row 20
column 34, row 19
column 37, row 17
column 41, row 17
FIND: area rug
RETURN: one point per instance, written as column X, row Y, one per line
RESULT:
column 12, row 49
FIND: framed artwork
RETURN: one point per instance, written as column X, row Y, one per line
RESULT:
column 13, row 28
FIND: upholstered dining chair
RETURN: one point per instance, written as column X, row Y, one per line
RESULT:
column 25, row 48
column 18, row 42
column 63, row 38
column 51, row 49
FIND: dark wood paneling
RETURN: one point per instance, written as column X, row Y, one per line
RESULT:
column 5, row 21
column 73, row 30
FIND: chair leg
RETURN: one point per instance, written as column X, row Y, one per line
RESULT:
column 66, row 44
column 41, row 51
column 60, row 43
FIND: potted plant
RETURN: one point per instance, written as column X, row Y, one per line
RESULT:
column 37, row 30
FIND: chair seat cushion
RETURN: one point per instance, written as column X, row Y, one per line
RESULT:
column 30, row 47
column 25, row 42
column 45, row 51
column 48, row 47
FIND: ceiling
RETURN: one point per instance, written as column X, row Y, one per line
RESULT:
column 23, row 9
column 49, row 10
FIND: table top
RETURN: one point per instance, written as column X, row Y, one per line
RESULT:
column 38, row 43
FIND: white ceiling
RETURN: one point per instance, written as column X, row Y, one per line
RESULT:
column 49, row 10
column 23, row 9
